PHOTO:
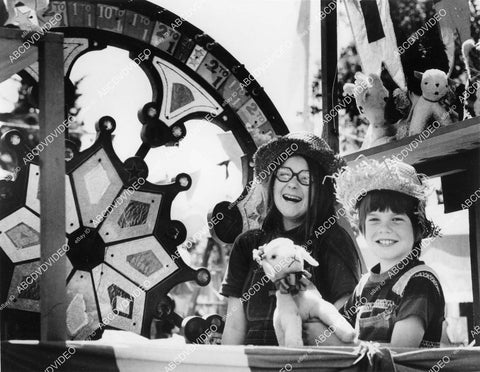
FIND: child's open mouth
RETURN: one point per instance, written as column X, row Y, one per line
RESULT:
column 292, row 198
column 386, row 242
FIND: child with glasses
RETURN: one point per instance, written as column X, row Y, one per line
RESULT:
column 300, row 198
column 285, row 174
column 400, row 301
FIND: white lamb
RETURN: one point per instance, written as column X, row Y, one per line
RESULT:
column 279, row 259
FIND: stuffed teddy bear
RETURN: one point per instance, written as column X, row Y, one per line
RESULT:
column 371, row 96
column 281, row 258
column 471, row 95
column 434, row 86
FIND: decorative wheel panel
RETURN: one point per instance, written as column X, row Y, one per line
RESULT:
column 122, row 254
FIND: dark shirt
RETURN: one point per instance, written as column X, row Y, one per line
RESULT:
column 375, row 310
column 336, row 276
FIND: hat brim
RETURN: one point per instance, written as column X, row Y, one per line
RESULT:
column 273, row 154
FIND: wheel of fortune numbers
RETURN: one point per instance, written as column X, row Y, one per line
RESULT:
column 122, row 264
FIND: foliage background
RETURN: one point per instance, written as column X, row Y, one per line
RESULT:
column 407, row 17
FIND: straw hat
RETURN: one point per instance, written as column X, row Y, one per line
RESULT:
column 352, row 183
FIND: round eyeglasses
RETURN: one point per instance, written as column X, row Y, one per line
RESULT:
column 285, row 174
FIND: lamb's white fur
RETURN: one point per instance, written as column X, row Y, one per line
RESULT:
column 279, row 258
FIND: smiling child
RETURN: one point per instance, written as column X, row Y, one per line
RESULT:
column 299, row 198
column 400, row 301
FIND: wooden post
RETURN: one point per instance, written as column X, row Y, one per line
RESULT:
column 329, row 72
column 474, row 235
column 52, row 189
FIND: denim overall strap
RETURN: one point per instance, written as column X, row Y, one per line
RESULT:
column 361, row 284
column 400, row 285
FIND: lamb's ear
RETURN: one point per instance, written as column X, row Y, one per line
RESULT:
column 257, row 256
column 348, row 89
column 269, row 270
column 306, row 256
column 418, row 75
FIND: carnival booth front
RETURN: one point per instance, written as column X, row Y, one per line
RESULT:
column 90, row 252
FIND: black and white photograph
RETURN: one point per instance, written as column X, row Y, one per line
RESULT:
column 240, row 185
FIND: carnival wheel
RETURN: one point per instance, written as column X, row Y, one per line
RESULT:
column 126, row 261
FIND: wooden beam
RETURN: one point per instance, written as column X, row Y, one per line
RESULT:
column 449, row 165
column 329, row 73
column 52, row 189
column 474, row 235
column 445, row 141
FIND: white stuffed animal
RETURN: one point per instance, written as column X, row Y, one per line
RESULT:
column 434, row 87
column 280, row 258
column 371, row 96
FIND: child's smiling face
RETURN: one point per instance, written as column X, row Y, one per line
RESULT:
column 291, row 198
column 390, row 235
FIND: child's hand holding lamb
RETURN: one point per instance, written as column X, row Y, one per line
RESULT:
column 280, row 259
